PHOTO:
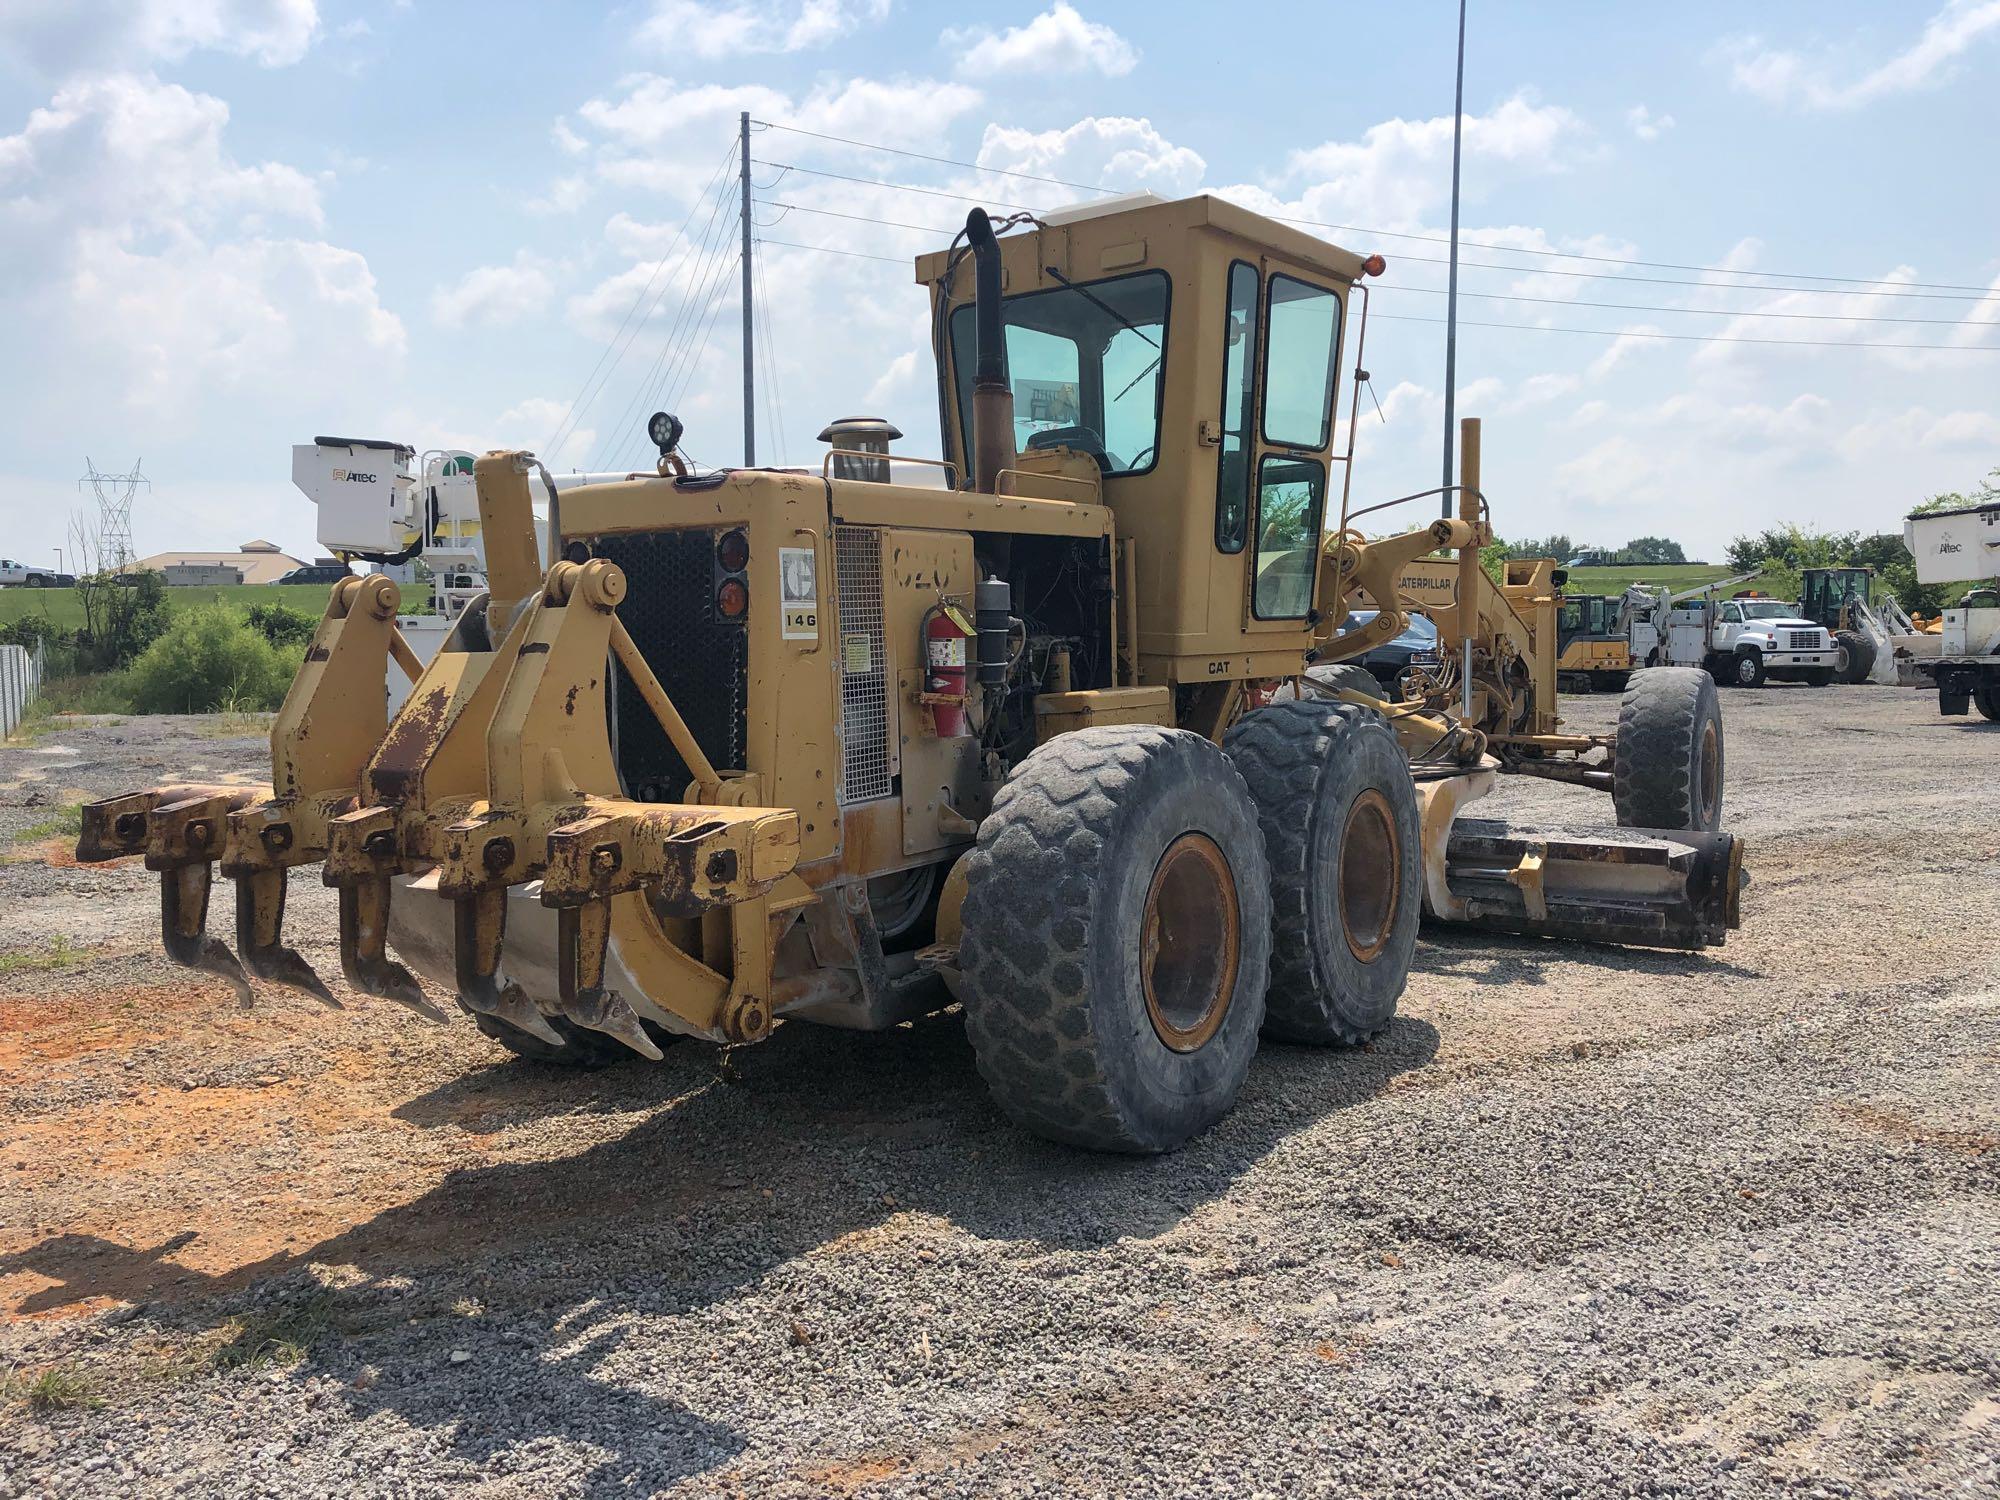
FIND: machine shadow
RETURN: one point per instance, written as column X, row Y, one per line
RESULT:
column 847, row 1131
column 1500, row 958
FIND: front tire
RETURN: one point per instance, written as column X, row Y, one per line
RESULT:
column 1115, row 947
column 1341, row 834
column 1666, row 765
column 1747, row 670
column 1854, row 655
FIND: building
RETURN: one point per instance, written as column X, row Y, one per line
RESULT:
column 257, row 562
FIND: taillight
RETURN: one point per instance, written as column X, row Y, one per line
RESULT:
column 733, row 551
column 732, row 588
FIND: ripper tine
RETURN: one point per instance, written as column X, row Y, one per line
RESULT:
column 479, row 924
column 510, row 1003
column 183, row 929
column 607, row 1011
column 582, row 936
column 260, row 917
column 364, row 937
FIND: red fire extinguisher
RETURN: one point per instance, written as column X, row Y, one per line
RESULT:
column 946, row 630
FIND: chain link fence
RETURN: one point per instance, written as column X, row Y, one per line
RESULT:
column 20, row 680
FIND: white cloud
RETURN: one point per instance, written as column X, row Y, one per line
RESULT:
column 1059, row 40
column 493, row 296
column 1400, row 170
column 129, row 149
column 1113, row 150
column 1782, row 76
column 712, row 29
column 1922, row 429
column 197, row 319
column 527, row 423
column 142, row 250
column 1646, row 125
column 60, row 36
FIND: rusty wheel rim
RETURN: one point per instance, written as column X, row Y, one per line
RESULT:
column 1711, row 773
column 1189, row 941
column 1369, row 883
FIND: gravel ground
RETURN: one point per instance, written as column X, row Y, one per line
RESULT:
column 1585, row 1221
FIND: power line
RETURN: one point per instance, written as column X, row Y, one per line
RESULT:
column 1435, row 239
column 1611, row 333
column 573, row 415
column 1709, row 312
column 1698, row 338
column 901, row 187
column 943, row 161
column 894, row 260
column 1476, row 265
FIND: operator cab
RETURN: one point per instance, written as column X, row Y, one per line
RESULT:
column 1181, row 362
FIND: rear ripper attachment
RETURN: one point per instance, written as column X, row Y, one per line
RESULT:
column 333, row 717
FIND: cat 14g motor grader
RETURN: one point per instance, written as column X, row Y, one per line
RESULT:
column 767, row 744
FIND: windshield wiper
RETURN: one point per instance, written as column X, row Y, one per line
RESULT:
column 1100, row 302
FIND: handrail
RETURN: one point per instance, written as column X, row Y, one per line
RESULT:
column 1085, row 485
column 826, row 464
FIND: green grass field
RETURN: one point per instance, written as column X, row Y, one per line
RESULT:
column 1614, row 580
column 60, row 605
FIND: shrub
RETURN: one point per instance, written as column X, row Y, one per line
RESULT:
column 210, row 660
column 123, row 615
column 58, row 645
column 282, row 625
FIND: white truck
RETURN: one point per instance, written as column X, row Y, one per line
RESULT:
column 1741, row 642
column 1962, row 546
column 28, row 575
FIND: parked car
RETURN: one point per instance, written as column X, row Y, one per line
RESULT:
column 1389, row 661
column 27, row 575
column 315, row 573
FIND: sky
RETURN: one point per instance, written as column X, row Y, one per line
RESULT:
column 227, row 226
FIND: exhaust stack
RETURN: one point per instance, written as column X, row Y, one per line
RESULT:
column 992, row 396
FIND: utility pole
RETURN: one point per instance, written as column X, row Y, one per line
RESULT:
column 1451, row 296
column 749, row 345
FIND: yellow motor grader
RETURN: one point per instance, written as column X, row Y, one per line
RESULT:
column 1031, row 725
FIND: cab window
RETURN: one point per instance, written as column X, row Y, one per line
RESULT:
column 1232, row 472
column 1291, row 494
column 1085, row 363
column 1732, row 614
column 1301, row 350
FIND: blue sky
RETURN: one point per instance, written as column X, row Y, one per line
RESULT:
column 229, row 225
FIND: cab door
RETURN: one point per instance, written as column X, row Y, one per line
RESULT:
column 1301, row 324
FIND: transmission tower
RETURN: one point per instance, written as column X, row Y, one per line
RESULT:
column 114, row 509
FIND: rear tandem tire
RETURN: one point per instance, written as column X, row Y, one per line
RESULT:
column 1115, row 946
column 1819, row 676
column 1667, row 762
column 1341, row 834
column 1986, row 698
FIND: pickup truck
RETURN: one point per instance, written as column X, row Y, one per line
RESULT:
column 25, row 575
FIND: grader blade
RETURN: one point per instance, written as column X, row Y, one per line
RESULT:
column 1650, row 888
column 1646, row 888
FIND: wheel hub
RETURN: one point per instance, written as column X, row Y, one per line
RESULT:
column 1370, row 875
column 1189, row 943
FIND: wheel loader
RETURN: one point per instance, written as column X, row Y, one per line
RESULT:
column 1028, row 725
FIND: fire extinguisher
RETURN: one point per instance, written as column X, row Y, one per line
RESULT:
column 946, row 630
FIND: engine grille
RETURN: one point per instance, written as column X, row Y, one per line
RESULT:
column 701, row 660
column 1804, row 640
column 864, row 693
